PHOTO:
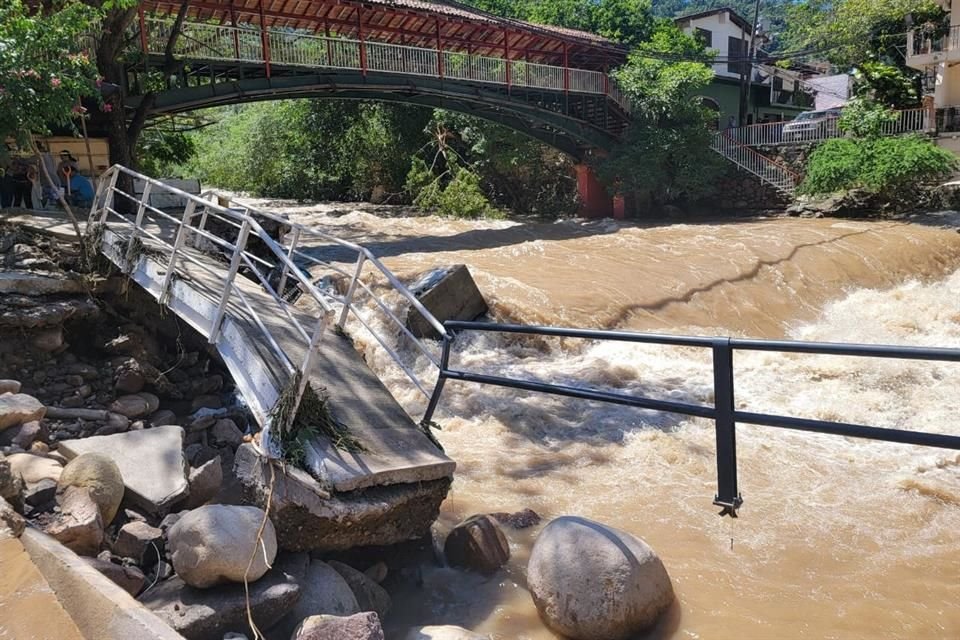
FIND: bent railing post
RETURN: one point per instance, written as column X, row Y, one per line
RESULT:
column 231, row 276
column 135, row 233
column 441, row 380
column 348, row 300
column 286, row 269
column 177, row 247
column 728, row 496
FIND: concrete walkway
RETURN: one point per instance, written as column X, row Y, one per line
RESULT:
column 29, row 608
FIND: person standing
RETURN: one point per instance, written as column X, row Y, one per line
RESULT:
column 22, row 184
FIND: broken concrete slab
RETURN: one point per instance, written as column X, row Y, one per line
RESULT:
column 307, row 517
column 36, row 284
column 151, row 462
column 198, row 614
column 448, row 294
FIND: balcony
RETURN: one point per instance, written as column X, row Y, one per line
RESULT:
column 928, row 47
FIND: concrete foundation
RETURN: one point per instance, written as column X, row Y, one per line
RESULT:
column 454, row 297
column 309, row 518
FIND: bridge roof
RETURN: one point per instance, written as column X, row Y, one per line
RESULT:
column 419, row 23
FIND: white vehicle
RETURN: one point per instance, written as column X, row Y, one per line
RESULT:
column 813, row 125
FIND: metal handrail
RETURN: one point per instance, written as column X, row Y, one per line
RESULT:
column 190, row 228
column 773, row 173
column 723, row 411
column 295, row 48
column 916, row 120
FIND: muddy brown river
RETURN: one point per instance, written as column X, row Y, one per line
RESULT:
column 838, row 538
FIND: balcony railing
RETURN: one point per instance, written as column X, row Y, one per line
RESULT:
column 291, row 48
column 925, row 41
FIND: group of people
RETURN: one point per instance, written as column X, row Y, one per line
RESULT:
column 24, row 183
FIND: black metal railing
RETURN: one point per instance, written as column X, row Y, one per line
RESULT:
column 723, row 411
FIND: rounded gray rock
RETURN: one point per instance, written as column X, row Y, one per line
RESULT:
column 214, row 543
column 443, row 632
column 593, row 582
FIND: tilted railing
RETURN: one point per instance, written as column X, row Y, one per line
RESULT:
column 276, row 274
column 802, row 132
column 723, row 410
column 291, row 48
column 778, row 176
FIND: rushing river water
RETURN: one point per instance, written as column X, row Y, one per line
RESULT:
column 838, row 538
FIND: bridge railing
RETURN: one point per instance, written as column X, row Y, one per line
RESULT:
column 175, row 238
column 243, row 44
column 777, row 175
column 352, row 268
column 723, row 408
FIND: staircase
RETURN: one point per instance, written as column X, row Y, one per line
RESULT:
column 776, row 175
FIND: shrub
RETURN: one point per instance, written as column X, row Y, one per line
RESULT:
column 880, row 165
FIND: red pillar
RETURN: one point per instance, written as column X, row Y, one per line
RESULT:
column 595, row 202
column 143, row 29
column 264, row 39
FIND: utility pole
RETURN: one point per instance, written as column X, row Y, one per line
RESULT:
column 746, row 68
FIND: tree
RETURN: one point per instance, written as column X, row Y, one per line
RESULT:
column 666, row 152
column 865, row 36
column 44, row 73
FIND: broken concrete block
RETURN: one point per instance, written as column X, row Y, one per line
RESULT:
column 151, row 462
column 449, row 294
column 309, row 518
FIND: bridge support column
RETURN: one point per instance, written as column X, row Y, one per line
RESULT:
column 595, row 202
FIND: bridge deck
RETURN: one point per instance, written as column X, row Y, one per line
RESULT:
column 396, row 450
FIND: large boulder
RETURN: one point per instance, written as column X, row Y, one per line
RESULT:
column 215, row 543
column 17, row 408
column 477, row 544
column 360, row 626
column 202, row 614
column 593, row 582
column 98, row 474
column 442, row 632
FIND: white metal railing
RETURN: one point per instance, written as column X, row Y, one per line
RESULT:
column 926, row 40
column 768, row 171
column 803, row 131
column 169, row 236
column 294, row 48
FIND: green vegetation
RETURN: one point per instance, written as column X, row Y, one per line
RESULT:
column 888, row 166
column 38, row 90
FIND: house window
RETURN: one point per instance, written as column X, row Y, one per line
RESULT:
column 705, row 36
column 737, row 54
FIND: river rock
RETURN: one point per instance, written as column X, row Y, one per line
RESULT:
column 140, row 541
column 135, row 405
column 518, row 520
column 78, row 526
column 477, row 544
column 201, row 614
column 48, row 340
column 23, row 435
column 17, row 408
column 129, row 378
column 377, row 572
column 323, row 591
column 128, row 578
column 205, row 482
column 34, row 469
column 40, row 493
column 9, row 386
column 152, row 463
column 593, row 582
column 226, row 432
column 98, row 474
column 370, row 595
column 360, row 626
column 162, row 418
column 442, row 632
column 10, row 520
column 214, row 543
